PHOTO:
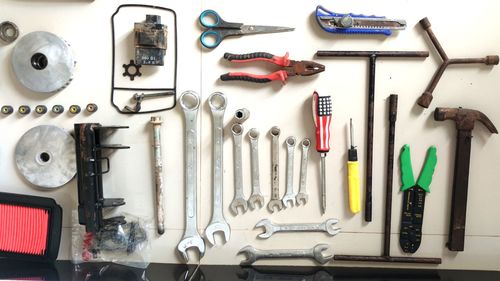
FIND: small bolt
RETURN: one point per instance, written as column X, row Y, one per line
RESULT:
column 7, row 109
column 24, row 109
column 58, row 109
column 91, row 107
column 74, row 109
column 41, row 109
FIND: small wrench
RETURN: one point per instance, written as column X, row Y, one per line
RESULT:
column 275, row 153
column 239, row 197
column 190, row 102
column 271, row 228
column 256, row 196
column 302, row 195
column 289, row 195
column 217, row 102
column 315, row 253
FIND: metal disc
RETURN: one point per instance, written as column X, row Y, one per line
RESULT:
column 43, row 62
column 45, row 156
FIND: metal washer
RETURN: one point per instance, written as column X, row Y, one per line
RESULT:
column 43, row 62
column 45, row 156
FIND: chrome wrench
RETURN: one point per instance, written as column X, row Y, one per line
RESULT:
column 275, row 185
column 316, row 253
column 256, row 196
column 239, row 198
column 302, row 196
column 217, row 103
column 190, row 103
column 270, row 228
column 289, row 195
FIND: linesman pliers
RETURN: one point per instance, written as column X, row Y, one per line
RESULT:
column 289, row 68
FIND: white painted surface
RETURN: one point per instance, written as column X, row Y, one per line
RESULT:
column 467, row 30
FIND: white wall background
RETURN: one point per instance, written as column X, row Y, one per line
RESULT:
column 466, row 29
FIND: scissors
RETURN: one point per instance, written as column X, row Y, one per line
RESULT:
column 218, row 29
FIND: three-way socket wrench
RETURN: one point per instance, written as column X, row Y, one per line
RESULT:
column 190, row 103
column 239, row 198
column 256, row 197
column 217, row 103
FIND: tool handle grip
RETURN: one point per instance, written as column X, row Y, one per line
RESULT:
column 323, row 133
column 258, row 56
column 280, row 75
column 353, row 182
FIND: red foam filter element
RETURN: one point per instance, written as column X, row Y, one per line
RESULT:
column 23, row 230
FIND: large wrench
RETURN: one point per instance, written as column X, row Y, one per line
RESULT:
column 239, row 197
column 289, row 195
column 302, row 196
column 315, row 253
column 271, row 228
column 190, row 102
column 256, row 196
column 217, row 102
column 275, row 173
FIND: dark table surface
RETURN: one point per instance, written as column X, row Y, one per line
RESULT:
column 65, row 270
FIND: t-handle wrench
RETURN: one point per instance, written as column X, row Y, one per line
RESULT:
column 275, row 180
column 256, row 196
column 190, row 102
column 217, row 102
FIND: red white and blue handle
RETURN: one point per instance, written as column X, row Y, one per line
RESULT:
column 322, row 115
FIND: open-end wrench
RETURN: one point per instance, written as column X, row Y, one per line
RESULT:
column 190, row 102
column 289, row 195
column 271, row 228
column 239, row 198
column 256, row 196
column 217, row 102
column 302, row 196
column 275, row 185
column 316, row 253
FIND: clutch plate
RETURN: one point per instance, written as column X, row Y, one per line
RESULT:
column 43, row 62
column 45, row 156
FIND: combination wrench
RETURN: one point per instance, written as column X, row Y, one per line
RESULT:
column 256, row 196
column 316, row 253
column 239, row 197
column 275, row 180
column 190, row 103
column 217, row 103
column 302, row 196
column 271, row 228
column 289, row 195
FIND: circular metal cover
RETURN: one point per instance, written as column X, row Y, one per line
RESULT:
column 45, row 156
column 43, row 62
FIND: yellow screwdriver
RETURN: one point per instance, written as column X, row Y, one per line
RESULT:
column 353, row 175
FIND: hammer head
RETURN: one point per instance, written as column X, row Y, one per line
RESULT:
column 464, row 118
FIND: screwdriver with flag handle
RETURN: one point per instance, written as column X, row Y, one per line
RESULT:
column 322, row 116
column 353, row 174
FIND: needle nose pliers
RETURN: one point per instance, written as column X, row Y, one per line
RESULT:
column 289, row 67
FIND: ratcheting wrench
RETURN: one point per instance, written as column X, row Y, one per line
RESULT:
column 271, row 228
column 256, row 196
column 217, row 102
column 302, row 196
column 239, row 197
column 190, row 102
column 289, row 195
column 275, row 152
column 315, row 253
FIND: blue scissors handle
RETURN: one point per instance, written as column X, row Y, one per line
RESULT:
column 217, row 28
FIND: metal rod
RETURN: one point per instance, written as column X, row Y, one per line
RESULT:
column 397, row 54
column 158, row 177
column 351, row 133
column 322, row 175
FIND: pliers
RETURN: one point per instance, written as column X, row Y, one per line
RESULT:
column 289, row 68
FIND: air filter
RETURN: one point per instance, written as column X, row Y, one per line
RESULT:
column 30, row 227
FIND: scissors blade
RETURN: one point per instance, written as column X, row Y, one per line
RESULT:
column 252, row 29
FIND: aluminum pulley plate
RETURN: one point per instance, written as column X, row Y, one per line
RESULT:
column 43, row 62
column 45, row 156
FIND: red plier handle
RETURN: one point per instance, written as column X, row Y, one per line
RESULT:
column 280, row 75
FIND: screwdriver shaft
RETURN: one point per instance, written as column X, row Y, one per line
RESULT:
column 322, row 175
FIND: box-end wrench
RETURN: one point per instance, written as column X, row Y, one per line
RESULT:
column 328, row 226
column 275, row 185
column 302, row 196
column 316, row 253
column 217, row 103
column 289, row 195
column 190, row 102
column 239, row 198
column 256, row 196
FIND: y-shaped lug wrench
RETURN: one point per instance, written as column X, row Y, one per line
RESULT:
column 239, row 198
column 275, row 159
column 316, row 253
column 256, row 196
column 328, row 226
column 302, row 196
column 290, row 149
column 217, row 102
column 190, row 102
